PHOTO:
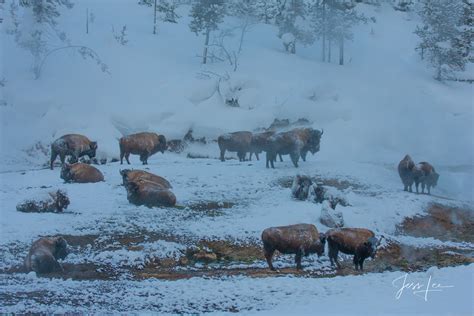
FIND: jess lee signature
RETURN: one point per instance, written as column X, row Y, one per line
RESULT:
column 418, row 288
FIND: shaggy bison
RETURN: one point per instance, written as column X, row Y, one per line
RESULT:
column 405, row 170
column 133, row 175
column 81, row 173
column 239, row 142
column 299, row 239
column 73, row 145
column 359, row 242
column 425, row 174
column 56, row 202
column 148, row 193
column 143, row 144
column 44, row 254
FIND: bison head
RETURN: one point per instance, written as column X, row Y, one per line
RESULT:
column 62, row 201
column 92, row 151
column 66, row 173
column 371, row 246
column 433, row 179
column 314, row 143
column 124, row 174
column 60, row 250
column 161, row 146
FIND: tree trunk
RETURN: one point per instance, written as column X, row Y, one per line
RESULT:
column 154, row 19
column 341, row 51
column 329, row 50
column 87, row 21
column 324, row 31
column 206, row 44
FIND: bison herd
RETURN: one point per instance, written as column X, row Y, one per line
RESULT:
column 145, row 188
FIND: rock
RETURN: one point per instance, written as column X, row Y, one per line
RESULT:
column 205, row 256
column 183, row 261
column 331, row 217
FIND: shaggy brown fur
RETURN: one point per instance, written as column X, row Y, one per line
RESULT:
column 55, row 203
column 81, row 173
column 44, row 254
column 299, row 239
column 405, row 170
column 148, row 193
column 259, row 143
column 73, row 145
column 143, row 144
column 359, row 242
column 425, row 174
column 133, row 175
column 235, row 142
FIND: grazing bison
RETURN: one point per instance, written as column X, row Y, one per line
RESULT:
column 44, row 254
column 148, row 193
column 425, row 174
column 56, row 202
column 133, row 175
column 73, row 145
column 295, row 143
column 81, row 173
column 300, row 239
column 239, row 142
column 143, row 144
column 359, row 242
column 405, row 170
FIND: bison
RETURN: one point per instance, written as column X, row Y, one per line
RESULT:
column 133, row 175
column 81, row 173
column 143, row 144
column 359, row 242
column 56, row 202
column 299, row 239
column 405, row 170
column 148, row 193
column 239, row 142
column 300, row 187
column 425, row 174
column 73, row 145
column 44, row 254
column 295, row 143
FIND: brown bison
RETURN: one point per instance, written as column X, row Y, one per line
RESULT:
column 295, row 143
column 299, row 239
column 425, row 174
column 260, row 143
column 133, row 175
column 359, row 242
column 81, row 173
column 56, row 202
column 143, row 144
column 239, row 142
column 44, row 254
column 405, row 170
column 73, row 145
column 148, row 193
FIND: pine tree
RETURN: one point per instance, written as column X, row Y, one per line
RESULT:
column 290, row 20
column 206, row 17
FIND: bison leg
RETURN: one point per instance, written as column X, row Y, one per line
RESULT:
column 127, row 155
column 62, row 157
column 303, row 155
column 356, row 260
column 361, row 264
column 121, row 156
column 281, row 158
column 54, row 155
column 416, row 186
column 269, row 256
column 256, row 155
column 294, row 159
column 422, row 187
column 428, row 188
column 222, row 154
column 269, row 158
column 333, row 252
column 298, row 256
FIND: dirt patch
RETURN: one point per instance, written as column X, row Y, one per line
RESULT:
column 441, row 222
column 340, row 184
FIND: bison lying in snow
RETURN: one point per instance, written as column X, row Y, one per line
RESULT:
column 56, row 202
column 235, row 142
column 425, row 174
column 359, row 242
column 300, row 239
column 143, row 144
column 81, row 173
column 133, row 175
column 405, row 170
column 44, row 254
column 148, row 193
column 73, row 145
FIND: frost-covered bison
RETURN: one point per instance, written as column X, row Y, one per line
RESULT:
column 300, row 187
column 73, row 145
column 148, row 193
column 359, row 242
column 143, row 144
column 239, row 142
column 425, row 174
column 405, row 170
column 44, row 254
column 295, row 143
column 81, row 173
column 55, row 202
column 133, row 175
column 299, row 239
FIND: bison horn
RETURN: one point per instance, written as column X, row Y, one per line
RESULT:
column 322, row 132
column 380, row 240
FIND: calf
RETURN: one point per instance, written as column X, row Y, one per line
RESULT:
column 133, row 175
column 81, row 173
column 150, row 194
column 359, row 242
column 425, row 174
column 239, row 142
column 44, row 254
column 405, row 170
column 142, row 144
column 56, row 202
column 299, row 239
column 73, row 145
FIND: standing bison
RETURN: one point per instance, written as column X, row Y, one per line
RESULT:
column 425, row 174
column 81, row 173
column 73, row 145
column 299, row 239
column 44, row 254
column 239, row 142
column 143, row 144
column 133, row 175
column 359, row 242
column 148, row 193
column 405, row 170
